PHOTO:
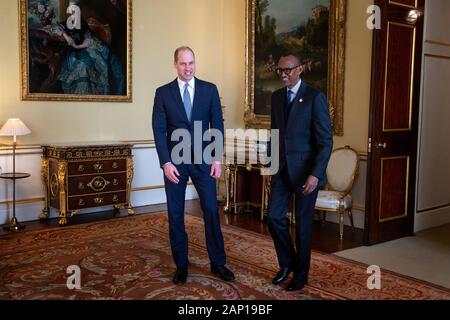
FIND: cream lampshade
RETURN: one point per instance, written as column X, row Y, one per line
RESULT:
column 14, row 127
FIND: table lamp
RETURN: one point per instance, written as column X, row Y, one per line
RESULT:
column 14, row 128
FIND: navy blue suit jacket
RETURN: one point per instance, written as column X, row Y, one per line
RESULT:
column 306, row 138
column 169, row 115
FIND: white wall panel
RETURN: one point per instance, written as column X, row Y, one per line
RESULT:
column 437, row 14
column 434, row 159
column 433, row 171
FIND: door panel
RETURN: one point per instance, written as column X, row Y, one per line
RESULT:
column 394, row 188
column 399, row 77
column 407, row 3
column 395, row 97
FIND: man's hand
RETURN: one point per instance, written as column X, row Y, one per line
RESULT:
column 216, row 170
column 310, row 185
column 171, row 173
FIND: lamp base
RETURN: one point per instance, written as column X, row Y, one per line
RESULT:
column 14, row 225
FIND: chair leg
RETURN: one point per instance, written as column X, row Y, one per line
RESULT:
column 341, row 225
column 324, row 216
column 350, row 214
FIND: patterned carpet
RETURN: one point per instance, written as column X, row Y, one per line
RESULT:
column 129, row 258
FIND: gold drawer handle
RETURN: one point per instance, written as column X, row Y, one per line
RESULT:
column 81, row 202
column 116, row 198
column 81, row 168
column 81, row 185
column 115, row 165
column 98, row 184
column 98, row 166
column 115, row 182
column 98, row 200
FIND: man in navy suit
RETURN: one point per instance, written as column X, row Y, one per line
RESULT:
column 300, row 113
column 183, row 105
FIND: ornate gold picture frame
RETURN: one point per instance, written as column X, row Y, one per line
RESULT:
column 76, row 50
column 316, row 31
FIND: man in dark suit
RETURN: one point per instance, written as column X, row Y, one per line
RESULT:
column 180, row 106
column 300, row 113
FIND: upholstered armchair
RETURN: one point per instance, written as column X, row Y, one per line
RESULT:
column 342, row 170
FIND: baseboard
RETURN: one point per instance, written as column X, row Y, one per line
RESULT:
column 31, row 211
column 24, row 212
column 431, row 218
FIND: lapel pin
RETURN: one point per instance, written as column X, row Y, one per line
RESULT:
column 301, row 100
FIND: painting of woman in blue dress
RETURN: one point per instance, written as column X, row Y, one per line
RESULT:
column 89, row 66
column 69, row 63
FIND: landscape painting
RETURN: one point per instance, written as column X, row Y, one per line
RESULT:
column 276, row 27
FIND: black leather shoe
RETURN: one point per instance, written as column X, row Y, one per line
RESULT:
column 281, row 275
column 223, row 272
column 295, row 284
column 180, row 275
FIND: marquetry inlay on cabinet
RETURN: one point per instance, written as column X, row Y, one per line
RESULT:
column 86, row 176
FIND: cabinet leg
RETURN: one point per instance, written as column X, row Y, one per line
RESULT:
column 130, row 210
column 44, row 214
column 46, row 183
column 62, row 172
column 130, row 174
column 62, row 218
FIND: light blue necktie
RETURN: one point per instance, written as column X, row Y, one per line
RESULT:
column 187, row 101
column 290, row 96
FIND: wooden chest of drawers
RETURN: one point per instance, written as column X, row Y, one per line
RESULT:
column 78, row 177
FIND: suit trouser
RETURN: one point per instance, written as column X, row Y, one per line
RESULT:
column 297, row 258
column 206, row 189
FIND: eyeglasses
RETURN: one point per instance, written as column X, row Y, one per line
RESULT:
column 287, row 71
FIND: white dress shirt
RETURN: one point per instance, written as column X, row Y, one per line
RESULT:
column 191, row 88
column 295, row 88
